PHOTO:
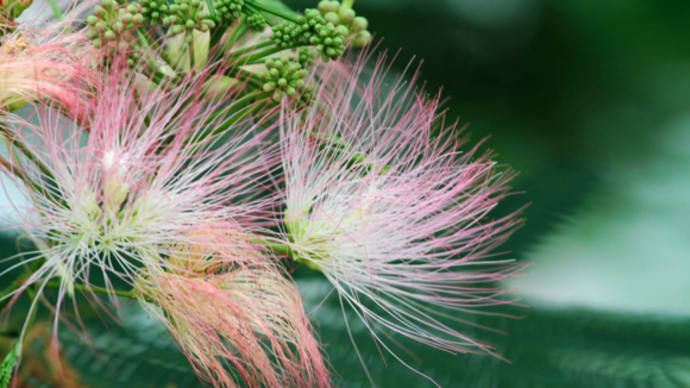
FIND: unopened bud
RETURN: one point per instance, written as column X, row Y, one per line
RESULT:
column 329, row 6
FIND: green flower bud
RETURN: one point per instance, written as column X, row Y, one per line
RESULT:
column 109, row 35
column 360, row 24
column 256, row 22
column 332, row 17
column 362, row 39
column 227, row 11
column 347, row 15
column 284, row 78
column 328, row 6
column 306, row 56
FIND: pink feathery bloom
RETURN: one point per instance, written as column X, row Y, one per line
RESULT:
column 237, row 322
column 44, row 63
column 393, row 209
column 121, row 190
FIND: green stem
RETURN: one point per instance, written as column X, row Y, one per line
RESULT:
column 348, row 3
column 249, row 49
column 260, row 55
column 192, row 59
column 243, row 103
column 211, row 8
column 95, row 289
column 273, row 11
column 278, row 247
column 243, row 75
column 237, row 34
column 56, row 9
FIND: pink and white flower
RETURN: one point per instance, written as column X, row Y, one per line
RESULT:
column 118, row 192
column 236, row 316
column 47, row 62
column 393, row 209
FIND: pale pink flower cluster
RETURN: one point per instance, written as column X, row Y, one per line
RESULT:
column 174, row 192
column 126, row 194
column 39, row 64
column 386, row 202
column 248, row 316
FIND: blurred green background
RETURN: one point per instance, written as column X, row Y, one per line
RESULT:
column 588, row 100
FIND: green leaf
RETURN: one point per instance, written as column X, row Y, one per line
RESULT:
column 8, row 364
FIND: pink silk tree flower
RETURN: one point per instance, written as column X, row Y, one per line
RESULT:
column 119, row 192
column 46, row 63
column 382, row 198
column 240, row 321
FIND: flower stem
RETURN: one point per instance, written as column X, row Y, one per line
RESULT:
column 249, row 49
column 260, row 55
column 273, row 11
column 56, row 9
column 236, row 35
column 95, row 289
column 276, row 246
column 211, row 8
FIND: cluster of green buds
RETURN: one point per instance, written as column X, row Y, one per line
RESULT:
column 343, row 15
column 306, row 57
column 114, row 25
column 154, row 11
column 186, row 16
column 227, row 11
column 285, row 77
column 256, row 22
column 312, row 30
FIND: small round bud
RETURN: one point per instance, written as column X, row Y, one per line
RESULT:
column 109, row 35
column 332, row 17
column 342, row 30
column 256, row 22
column 347, row 15
column 328, row 6
column 360, row 23
column 362, row 39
